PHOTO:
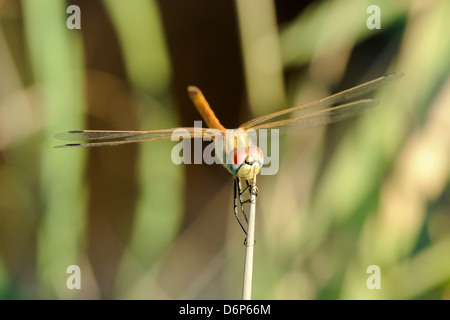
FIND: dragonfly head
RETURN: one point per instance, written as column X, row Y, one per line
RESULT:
column 242, row 162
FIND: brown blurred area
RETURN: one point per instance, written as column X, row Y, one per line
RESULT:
column 369, row 190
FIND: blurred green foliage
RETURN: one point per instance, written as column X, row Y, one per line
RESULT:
column 369, row 191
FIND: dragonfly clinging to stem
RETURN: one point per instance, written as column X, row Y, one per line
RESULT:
column 241, row 157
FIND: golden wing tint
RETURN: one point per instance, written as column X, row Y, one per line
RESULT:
column 338, row 98
column 330, row 115
column 95, row 138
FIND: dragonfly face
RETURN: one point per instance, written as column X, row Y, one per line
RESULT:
column 241, row 155
column 243, row 162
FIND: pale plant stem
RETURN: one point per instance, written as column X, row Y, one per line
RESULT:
column 249, row 245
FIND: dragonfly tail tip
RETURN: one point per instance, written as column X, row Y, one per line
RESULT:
column 68, row 145
column 193, row 90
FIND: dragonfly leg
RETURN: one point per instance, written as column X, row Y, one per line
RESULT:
column 237, row 193
column 253, row 189
column 241, row 200
column 250, row 189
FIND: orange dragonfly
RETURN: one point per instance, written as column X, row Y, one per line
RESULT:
column 242, row 157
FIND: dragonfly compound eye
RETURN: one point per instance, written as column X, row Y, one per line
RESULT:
column 255, row 154
column 241, row 161
column 237, row 156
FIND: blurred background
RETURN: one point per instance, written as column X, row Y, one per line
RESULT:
column 371, row 190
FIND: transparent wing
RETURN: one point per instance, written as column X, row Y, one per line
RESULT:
column 338, row 98
column 330, row 115
column 95, row 138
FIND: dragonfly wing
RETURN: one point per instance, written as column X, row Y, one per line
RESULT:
column 337, row 98
column 95, row 135
column 322, row 117
column 95, row 138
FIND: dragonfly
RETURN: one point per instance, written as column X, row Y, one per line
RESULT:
column 241, row 156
